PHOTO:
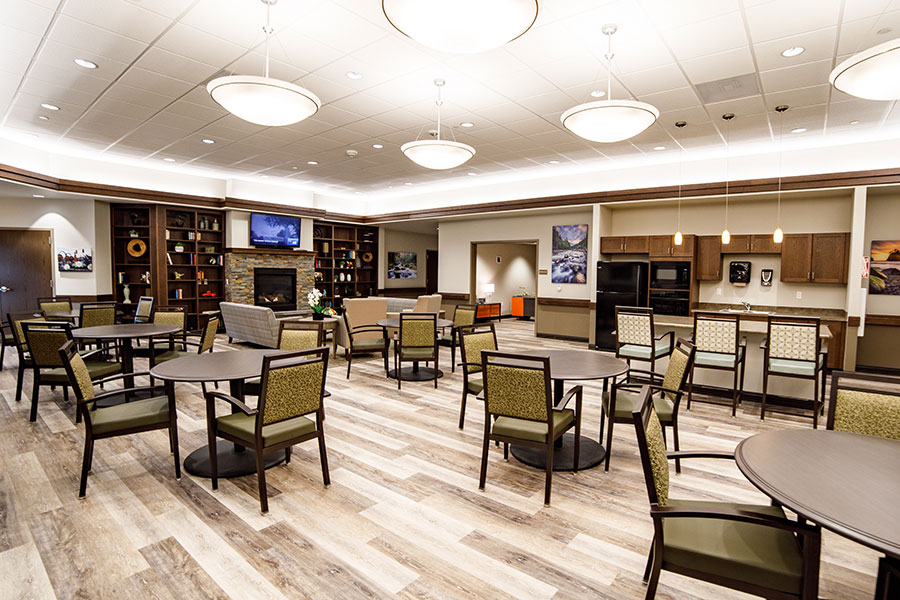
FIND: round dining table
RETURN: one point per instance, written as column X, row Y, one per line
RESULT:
column 571, row 365
column 846, row 482
column 235, row 367
column 125, row 332
column 415, row 372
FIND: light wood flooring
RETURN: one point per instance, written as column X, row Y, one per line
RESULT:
column 403, row 517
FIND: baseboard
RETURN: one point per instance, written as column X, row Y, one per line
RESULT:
column 568, row 338
column 877, row 370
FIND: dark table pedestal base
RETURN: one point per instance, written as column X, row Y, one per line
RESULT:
column 230, row 463
column 591, row 454
column 415, row 374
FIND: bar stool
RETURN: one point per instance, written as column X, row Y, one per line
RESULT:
column 636, row 337
column 793, row 348
column 717, row 337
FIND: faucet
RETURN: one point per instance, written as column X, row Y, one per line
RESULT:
column 746, row 306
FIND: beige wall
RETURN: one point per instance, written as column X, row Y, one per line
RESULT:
column 517, row 267
column 392, row 240
column 882, row 223
column 568, row 321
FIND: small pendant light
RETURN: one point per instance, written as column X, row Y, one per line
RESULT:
column 679, row 239
column 778, row 235
column 726, row 235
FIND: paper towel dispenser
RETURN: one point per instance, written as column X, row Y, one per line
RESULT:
column 739, row 272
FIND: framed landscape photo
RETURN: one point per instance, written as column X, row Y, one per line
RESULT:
column 70, row 260
column 569, row 254
column 401, row 265
column 884, row 268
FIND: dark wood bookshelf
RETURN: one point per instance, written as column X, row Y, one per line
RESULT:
column 341, row 271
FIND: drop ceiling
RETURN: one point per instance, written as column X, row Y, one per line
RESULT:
column 147, row 100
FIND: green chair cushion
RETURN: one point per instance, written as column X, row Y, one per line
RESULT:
column 474, row 386
column 643, row 352
column 376, row 345
column 794, row 367
column 417, row 353
column 535, row 431
column 714, row 359
column 97, row 370
column 244, row 427
column 743, row 551
column 131, row 414
column 626, row 401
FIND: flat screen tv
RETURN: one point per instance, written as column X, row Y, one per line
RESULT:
column 274, row 231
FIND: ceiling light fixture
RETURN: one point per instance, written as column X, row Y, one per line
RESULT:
column 461, row 26
column 49, row 106
column 726, row 235
column 37, row 195
column 43, row 117
column 873, row 74
column 470, row 174
column 793, row 51
column 467, row 124
column 778, row 234
column 264, row 100
column 408, row 183
column 311, row 162
column 437, row 153
column 353, row 75
column 609, row 120
column 798, row 130
column 554, row 162
column 659, row 147
column 208, row 141
column 378, row 146
column 167, row 159
column 678, row 239
column 598, row 93
column 854, row 122
column 81, row 62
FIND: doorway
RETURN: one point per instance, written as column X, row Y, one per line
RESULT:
column 26, row 268
column 431, row 271
column 502, row 270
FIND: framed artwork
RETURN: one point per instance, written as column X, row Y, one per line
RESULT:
column 73, row 260
column 401, row 265
column 884, row 268
column 569, row 254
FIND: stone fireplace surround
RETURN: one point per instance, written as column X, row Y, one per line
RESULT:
column 240, row 262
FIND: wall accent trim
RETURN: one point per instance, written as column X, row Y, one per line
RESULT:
column 453, row 296
column 887, row 320
column 571, row 302
column 568, row 338
column 270, row 251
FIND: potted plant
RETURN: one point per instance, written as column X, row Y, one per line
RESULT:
column 179, row 247
column 314, row 299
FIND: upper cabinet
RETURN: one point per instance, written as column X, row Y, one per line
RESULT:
column 740, row 244
column 663, row 246
column 632, row 244
column 709, row 258
column 764, row 244
column 815, row 257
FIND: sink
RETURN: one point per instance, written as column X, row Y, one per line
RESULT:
column 741, row 311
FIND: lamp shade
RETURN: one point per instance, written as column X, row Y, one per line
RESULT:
column 437, row 154
column 488, row 288
column 263, row 100
column 609, row 120
column 873, row 74
column 461, row 26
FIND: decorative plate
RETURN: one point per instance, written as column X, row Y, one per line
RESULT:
column 136, row 248
column 367, row 257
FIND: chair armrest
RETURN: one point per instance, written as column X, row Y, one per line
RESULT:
column 671, row 335
column 650, row 373
column 367, row 328
column 120, row 391
column 659, row 388
column 731, row 514
column 763, row 344
column 210, row 396
column 468, row 364
column 743, row 342
column 119, row 376
column 700, row 454
column 824, row 350
column 578, row 392
column 176, row 342
column 91, row 353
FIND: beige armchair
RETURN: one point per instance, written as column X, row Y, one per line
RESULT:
column 361, row 311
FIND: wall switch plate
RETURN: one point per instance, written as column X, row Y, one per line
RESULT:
column 558, row 288
column 718, row 291
column 799, row 295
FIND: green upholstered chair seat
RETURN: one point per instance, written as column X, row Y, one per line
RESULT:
column 794, row 367
column 171, row 355
column 474, row 387
column 662, row 348
column 375, row 345
column 626, row 402
column 417, row 353
column 534, row 431
column 130, row 415
column 743, row 551
column 98, row 370
column 244, row 427
column 714, row 359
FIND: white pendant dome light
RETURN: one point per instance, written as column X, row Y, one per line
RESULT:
column 873, row 74
column 461, row 26
column 609, row 120
column 264, row 100
column 438, row 154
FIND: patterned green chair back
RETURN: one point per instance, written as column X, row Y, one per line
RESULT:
column 78, row 372
column 170, row 317
column 18, row 332
column 510, row 390
column 652, row 445
column 856, row 406
column 44, row 342
column 97, row 314
column 634, row 328
column 679, row 367
column 209, row 335
column 295, row 335
column 716, row 334
column 292, row 385
column 472, row 342
column 794, row 341
column 417, row 332
column 143, row 309
column 54, row 305
column 463, row 316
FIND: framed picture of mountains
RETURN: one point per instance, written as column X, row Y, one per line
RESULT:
column 884, row 268
column 569, row 254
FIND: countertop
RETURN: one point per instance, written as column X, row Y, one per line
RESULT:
column 826, row 314
column 747, row 325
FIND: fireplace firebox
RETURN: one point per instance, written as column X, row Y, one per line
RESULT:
column 275, row 288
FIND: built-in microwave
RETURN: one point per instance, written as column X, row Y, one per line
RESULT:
column 674, row 275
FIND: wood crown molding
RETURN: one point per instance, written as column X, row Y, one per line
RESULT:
column 570, row 302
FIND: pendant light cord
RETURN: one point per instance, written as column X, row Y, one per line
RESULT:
column 780, row 157
column 268, row 30
column 609, row 57
column 727, row 156
column 439, row 102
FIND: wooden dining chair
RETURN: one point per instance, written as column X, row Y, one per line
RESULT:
column 154, row 412
column 865, row 403
column 636, row 337
column 416, row 342
column 751, row 548
column 463, row 316
column 793, row 348
column 471, row 342
column 720, row 346
column 290, row 411
column 519, row 409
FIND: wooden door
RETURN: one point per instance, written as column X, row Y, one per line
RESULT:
column 431, row 271
column 687, row 247
column 764, row 244
column 709, row 258
column 829, row 257
column 26, row 268
column 796, row 255
column 612, row 244
column 636, row 244
column 660, row 245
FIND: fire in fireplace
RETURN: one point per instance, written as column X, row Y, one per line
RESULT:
column 275, row 288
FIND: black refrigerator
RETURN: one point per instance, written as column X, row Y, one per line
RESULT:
column 618, row 284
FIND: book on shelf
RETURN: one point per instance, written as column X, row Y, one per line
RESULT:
column 167, row 234
column 169, row 257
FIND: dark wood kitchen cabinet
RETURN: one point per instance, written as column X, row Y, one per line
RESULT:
column 663, row 246
column 814, row 257
column 796, row 258
column 740, row 244
column 764, row 244
column 631, row 244
column 709, row 258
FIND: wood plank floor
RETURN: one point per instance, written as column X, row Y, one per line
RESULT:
column 403, row 517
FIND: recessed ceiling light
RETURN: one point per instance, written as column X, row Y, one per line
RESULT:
column 471, row 174
column 167, row 159
column 43, row 117
column 81, row 62
column 598, row 93
column 378, row 146
column 353, row 75
column 793, row 51
column 554, row 162
column 854, row 122
column 408, row 183
column 37, row 195
column 358, row 193
column 208, row 141
column 467, row 124
column 659, row 147
column 49, row 106
column 798, row 130
column 311, row 162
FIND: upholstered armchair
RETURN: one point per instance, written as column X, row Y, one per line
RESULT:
column 463, row 316
column 361, row 333
column 416, row 342
column 720, row 346
column 636, row 337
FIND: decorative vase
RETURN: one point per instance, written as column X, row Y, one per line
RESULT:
column 317, row 316
column 126, row 291
column 179, row 248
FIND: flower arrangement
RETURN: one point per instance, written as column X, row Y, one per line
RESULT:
column 314, row 299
